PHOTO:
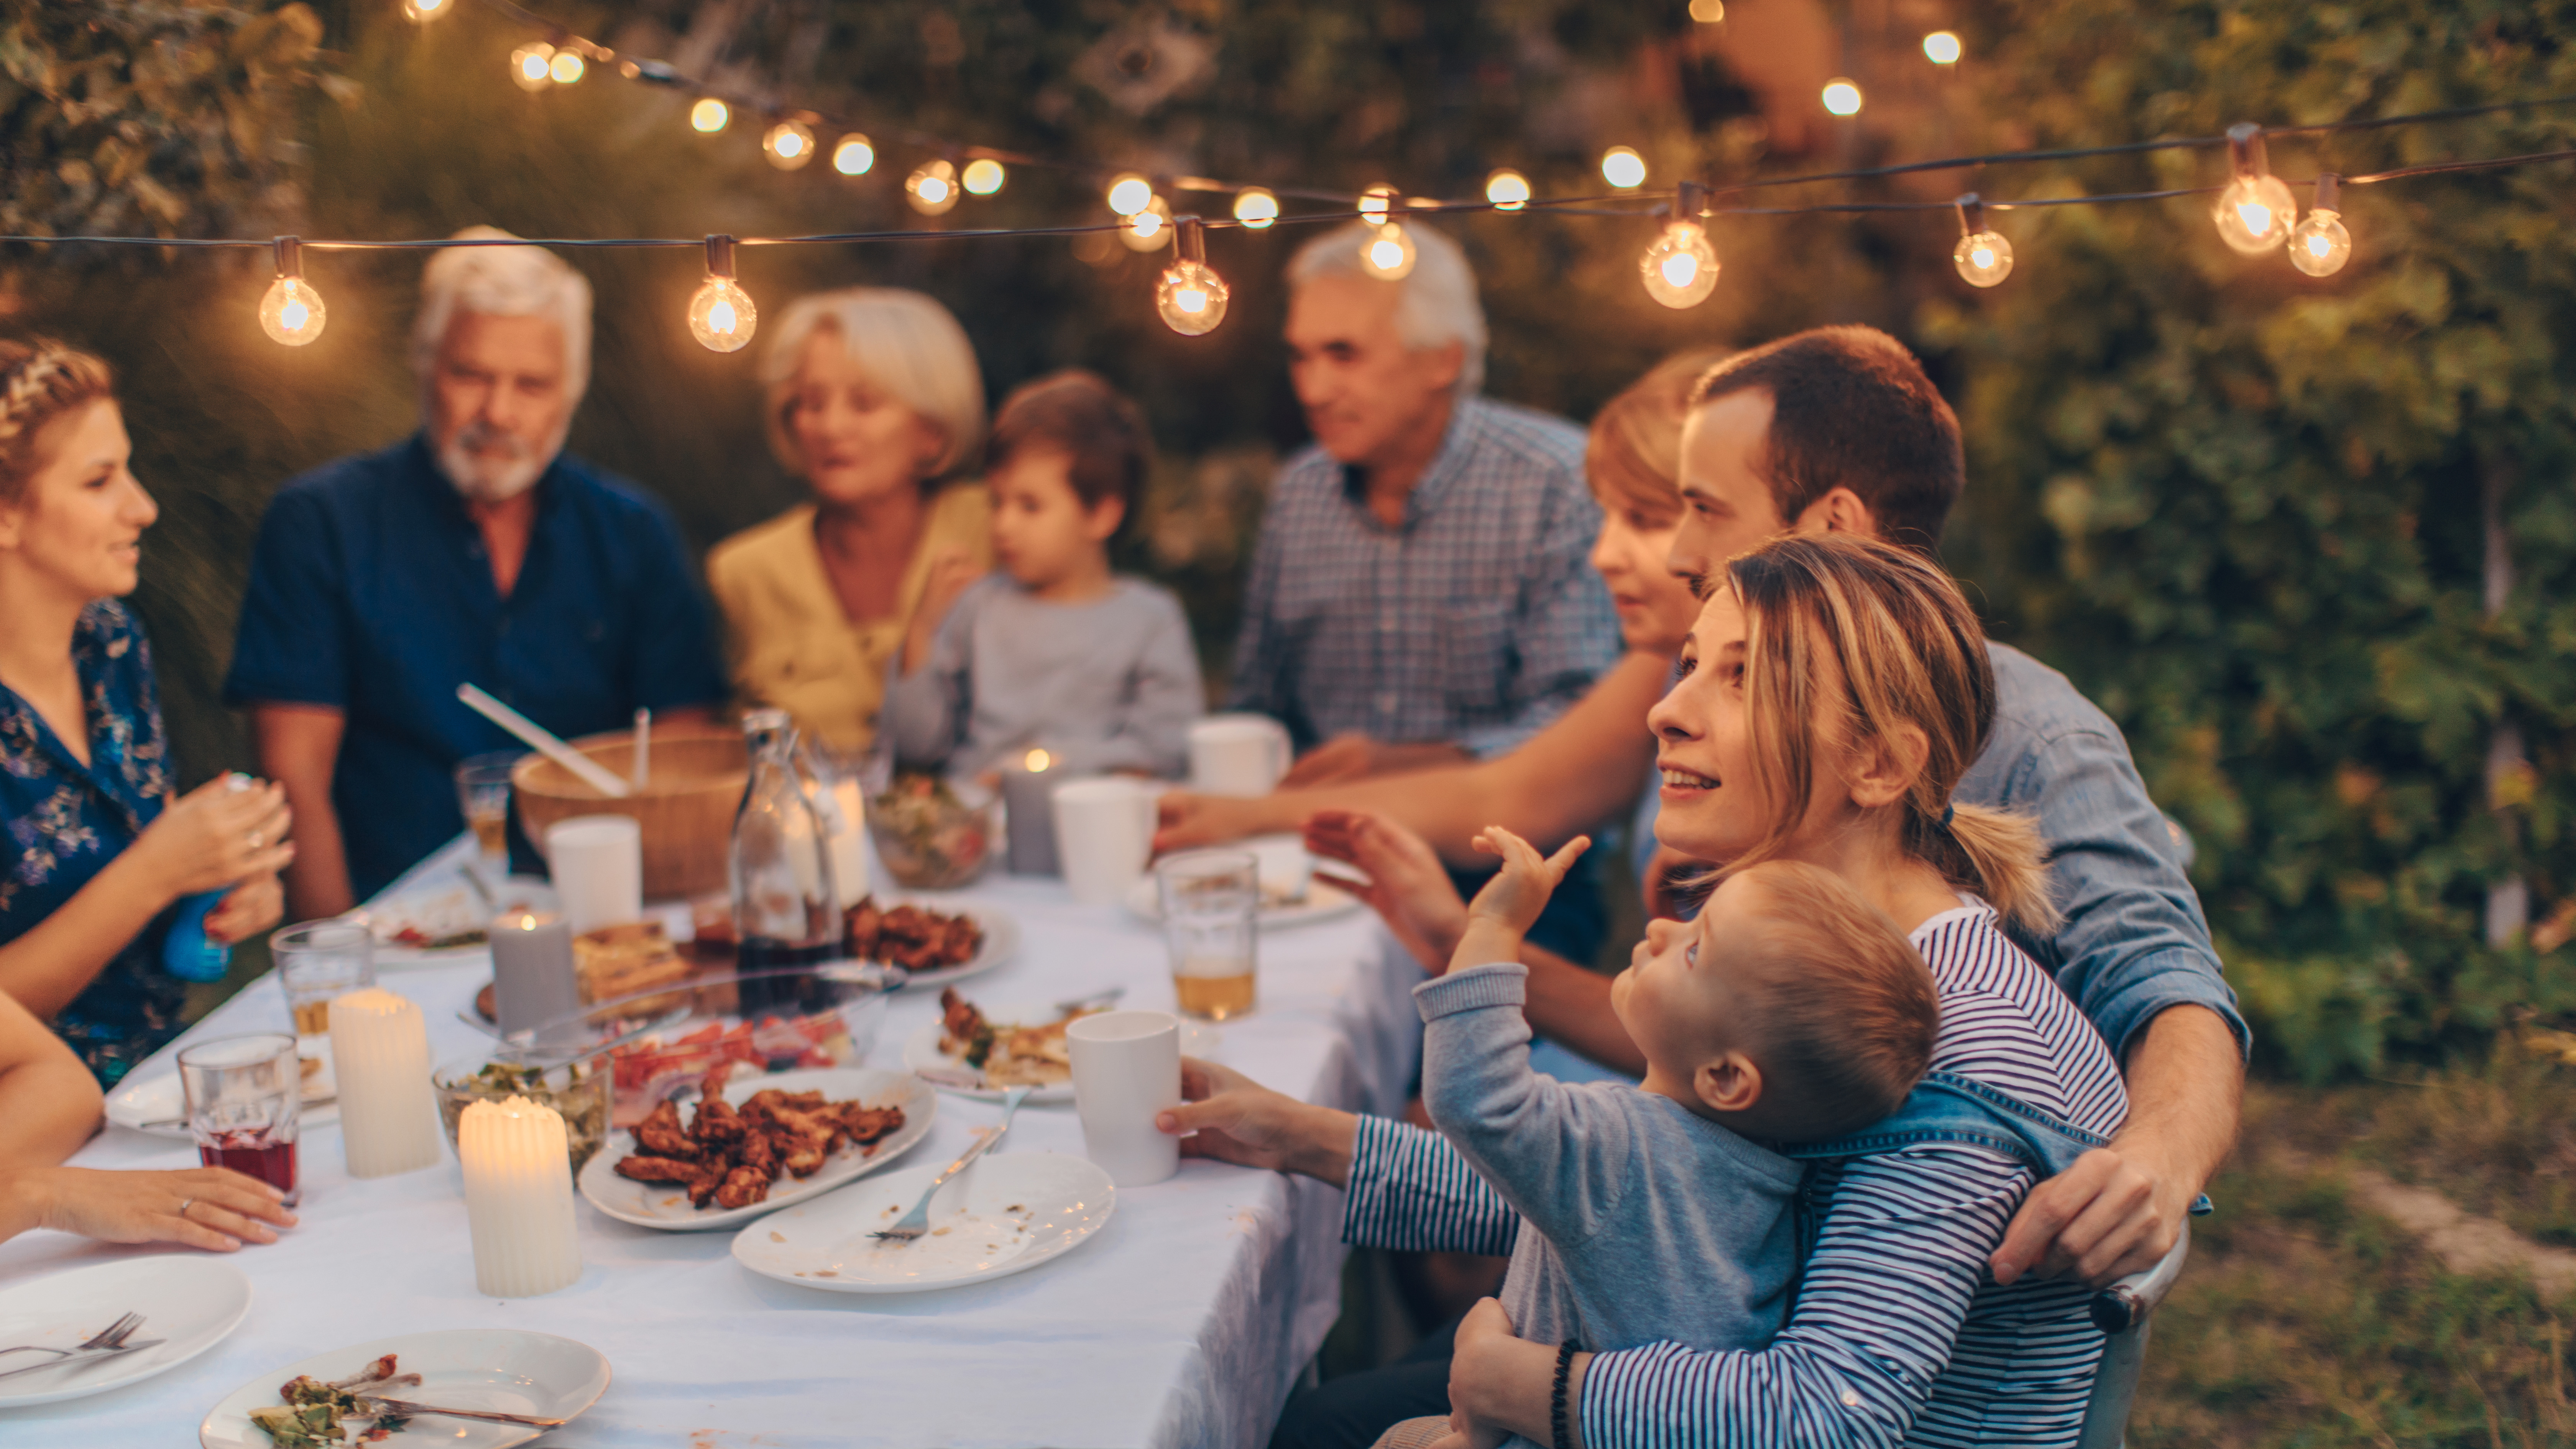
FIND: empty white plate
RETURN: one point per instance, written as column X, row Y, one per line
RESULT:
column 1005, row 1214
column 499, row 1369
column 188, row 1300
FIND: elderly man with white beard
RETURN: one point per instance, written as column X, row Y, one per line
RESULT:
column 475, row 551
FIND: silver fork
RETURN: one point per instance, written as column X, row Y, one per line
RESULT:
column 916, row 1222
column 109, row 1342
column 107, row 1337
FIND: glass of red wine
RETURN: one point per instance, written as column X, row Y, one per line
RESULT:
column 243, row 1096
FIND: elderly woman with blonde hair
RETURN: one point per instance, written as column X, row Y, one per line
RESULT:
column 875, row 400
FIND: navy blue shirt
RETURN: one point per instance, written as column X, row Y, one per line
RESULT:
column 371, row 593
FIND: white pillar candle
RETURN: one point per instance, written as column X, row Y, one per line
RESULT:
column 849, row 843
column 533, row 982
column 380, row 1056
column 518, row 1197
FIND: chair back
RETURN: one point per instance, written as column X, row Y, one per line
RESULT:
column 2123, row 1311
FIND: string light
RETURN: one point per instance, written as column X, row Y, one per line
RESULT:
column 1150, row 229
column 1708, row 12
column 1623, row 168
column 567, row 67
column 983, row 176
column 1842, row 97
column 1387, row 253
column 532, row 66
column 709, row 115
column 1508, row 190
column 853, row 155
column 424, row 11
column 932, row 187
column 1982, row 256
column 1130, row 194
column 291, row 311
column 1375, row 203
column 788, row 145
column 1190, row 296
column 2254, row 211
column 1256, row 208
column 1680, row 268
column 1941, row 47
column 721, row 315
column 2319, row 245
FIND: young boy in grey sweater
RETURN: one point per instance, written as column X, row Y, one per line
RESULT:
column 1790, row 1010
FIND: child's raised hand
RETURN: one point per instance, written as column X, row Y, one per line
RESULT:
column 1517, row 893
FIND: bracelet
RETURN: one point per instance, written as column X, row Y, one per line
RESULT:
column 1556, row 1397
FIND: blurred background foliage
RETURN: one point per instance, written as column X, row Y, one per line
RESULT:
column 2243, row 508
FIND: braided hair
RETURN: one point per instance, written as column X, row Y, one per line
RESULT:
column 41, row 380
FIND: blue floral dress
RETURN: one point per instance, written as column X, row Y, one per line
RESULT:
column 67, row 820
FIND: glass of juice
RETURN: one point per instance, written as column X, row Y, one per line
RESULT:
column 317, row 961
column 244, row 1094
column 483, row 792
column 1211, row 904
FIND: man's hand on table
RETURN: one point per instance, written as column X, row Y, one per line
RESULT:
column 1238, row 1120
column 214, row 1208
column 1406, row 883
column 1345, row 758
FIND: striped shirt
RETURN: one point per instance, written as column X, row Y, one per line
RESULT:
column 1898, row 1335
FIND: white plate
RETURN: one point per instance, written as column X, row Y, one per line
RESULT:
column 1006, row 1214
column 664, row 1205
column 501, row 1369
column 1323, row 902
column 921, row 1051
column 445, row 910
column 189, row 1301
column 159, row 1106
column 1001, row 938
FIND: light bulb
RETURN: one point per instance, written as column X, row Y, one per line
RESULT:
column 2254, row 210
column 1680, row 268
column 1190, row 296
column 1256, row 209
column 983, row 176
column 1375, row 203
column 932, row 187
column 721, row 315
column 1941, row 47
column 567, row 67
column 709, row 115
column 1508, row 190
column 2319, row 245
column 532, row 66
column 1150, row 229
column 854, row 155
column 424, row 10
column 1622, row 167
column 1708, row 12
column 1387, row 254
column 788, row 145
column 1982, row 256
column 1842, row 97
column 291, row 311
column 1130, row 194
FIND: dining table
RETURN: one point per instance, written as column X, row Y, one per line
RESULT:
column 1184, row 1321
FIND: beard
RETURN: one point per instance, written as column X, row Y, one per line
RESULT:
column 490, row 465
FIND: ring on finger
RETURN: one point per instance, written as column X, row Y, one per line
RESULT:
column 186, row 1203
column 255, row 839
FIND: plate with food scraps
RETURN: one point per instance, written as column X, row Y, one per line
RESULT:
column 189, row 1302
column 904, row 930
column 434, row 922
column 489, row 1370
column 159, row 1105
column 1319, row 901
column 1008, row 1213
column 1026, row 1048
column 684, row 1149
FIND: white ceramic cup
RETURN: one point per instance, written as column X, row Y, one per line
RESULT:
column 1104, row 834
column 598, row 866
column 1238, row 754
column 1127, row 1068
column 1285, row 865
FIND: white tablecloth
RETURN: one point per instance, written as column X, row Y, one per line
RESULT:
column 1183, row 1324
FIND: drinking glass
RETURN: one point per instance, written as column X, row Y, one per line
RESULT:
column 483, row 792
column 317, row 961
column 243, row 1094
column 1211, row 905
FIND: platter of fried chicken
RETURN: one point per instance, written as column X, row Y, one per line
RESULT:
column 933, row 946
column 753, row 1143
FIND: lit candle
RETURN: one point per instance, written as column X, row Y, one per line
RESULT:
column 518, row 1197
column 1028, row 783
column 380, row 1056
column 532, row 973
column 849, row 843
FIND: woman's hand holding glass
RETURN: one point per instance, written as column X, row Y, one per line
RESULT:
column 217, row 835
column 1406, row 884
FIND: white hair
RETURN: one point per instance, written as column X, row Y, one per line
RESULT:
column 1435, row 303
column 908, row 343
column 520, row 281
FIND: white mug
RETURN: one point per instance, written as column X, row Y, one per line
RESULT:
column 1126, row 1069
column 1238, row 754
column 1104, row 834
column 597, row 862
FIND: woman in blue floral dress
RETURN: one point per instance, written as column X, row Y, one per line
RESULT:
column 97, row 852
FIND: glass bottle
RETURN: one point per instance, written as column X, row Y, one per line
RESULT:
column 785, row 910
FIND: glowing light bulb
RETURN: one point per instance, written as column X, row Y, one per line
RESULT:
column 1256, row 209
column 1150, row 229
column 1941, row 47
column 1708, row 12
column 1508, row 190
column 2254, row 210
column 1375, row 203
column 1130, row 194
column 983, row 176
column 291, row 311
column 532, row 66
column 2319, row 245
column 854, row 155
column 1680, row 267
column 1842, row 97
column 709, row 115
column 423, row 11
column 567, row 67
column 788, row 145
column 1982, row 256
column 721, row 315
column 1387, row 254
column 1190, row 296
column 932, row 187
column 1622, row 167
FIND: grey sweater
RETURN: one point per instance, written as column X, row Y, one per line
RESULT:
column 1111, row 684
column 1642, row 1222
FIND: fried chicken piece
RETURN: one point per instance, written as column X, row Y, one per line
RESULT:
column 661, row 1135
column 742, row 1187
column 869, row 1125
column 760, row 1150
column 657, row 1169
column 711, row 1178
column 717, row 1125
column 859, row 929
column 771, row 1099
column 711, row 1086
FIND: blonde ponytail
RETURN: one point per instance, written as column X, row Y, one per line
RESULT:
column 2000, row 855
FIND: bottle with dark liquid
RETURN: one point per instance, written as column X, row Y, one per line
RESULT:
column 786, row 910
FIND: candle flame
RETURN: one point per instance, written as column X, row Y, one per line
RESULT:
column 1038, row 760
